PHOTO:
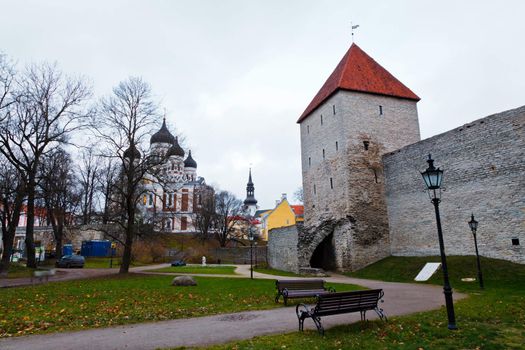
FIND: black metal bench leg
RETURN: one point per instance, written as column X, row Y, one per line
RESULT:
column 285, row 300
column 381, row 314
column 301, row 324
column 277, row 297
column 317, row 321
column 363, row 315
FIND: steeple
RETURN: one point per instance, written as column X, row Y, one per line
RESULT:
column 250, row 200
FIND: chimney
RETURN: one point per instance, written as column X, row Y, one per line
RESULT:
column 283, row 196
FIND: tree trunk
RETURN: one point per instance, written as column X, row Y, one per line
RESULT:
column 9, row 237
column 130, row 227
column 30, row 240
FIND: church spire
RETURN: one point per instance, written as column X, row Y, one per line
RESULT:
column 250, row 201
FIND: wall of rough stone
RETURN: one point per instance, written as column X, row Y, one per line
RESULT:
column 484, row 174
column 282, row 248
column 355, row 207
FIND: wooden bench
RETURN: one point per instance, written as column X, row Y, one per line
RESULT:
column 42, row 274
column 341, row 303
column 305, row 288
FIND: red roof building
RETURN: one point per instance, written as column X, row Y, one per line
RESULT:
column 359, row 72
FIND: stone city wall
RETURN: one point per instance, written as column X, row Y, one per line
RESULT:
column 484, row 167
column 282, row 248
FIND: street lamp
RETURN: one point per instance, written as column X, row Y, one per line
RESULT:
column 251, row 238
column 473, row 224
column 433, row 177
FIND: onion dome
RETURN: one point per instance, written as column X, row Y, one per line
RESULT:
column 163, row 135
column 175, row 149
column 190, row 162
column 132, row 151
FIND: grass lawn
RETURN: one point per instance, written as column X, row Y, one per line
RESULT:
column 490, row 319
column 17, row 270
column 102, row 302
column 103, row 263
column 209, row 269
column 269, row 271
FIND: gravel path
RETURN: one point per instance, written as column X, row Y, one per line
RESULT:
column 400, row 299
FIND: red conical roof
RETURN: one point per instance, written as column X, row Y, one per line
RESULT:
column 359, row 72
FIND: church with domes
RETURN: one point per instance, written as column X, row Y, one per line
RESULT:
column 172, row 202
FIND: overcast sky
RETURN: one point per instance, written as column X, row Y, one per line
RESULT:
column 235, row 76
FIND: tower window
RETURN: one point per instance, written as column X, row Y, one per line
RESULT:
column 323, row 153
column 308, row 129
column 309, row 161
column 366, row 144
column 150, row 199
column 333, row 109
column 515, row 241
column 375, row 176
column 336, row 146
column 380, row 110
column 321, row 119
column 331, row 184
column 315, row 190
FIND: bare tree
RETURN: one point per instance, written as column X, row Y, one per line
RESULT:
column 298, row 195
column 89, row 172
column 204, row 210
column 106, row 183
column 123, row 121
column 59, row 193
column 47, row 108
column 12, row 194
column 229, row 211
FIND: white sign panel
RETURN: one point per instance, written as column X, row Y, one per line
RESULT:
column 427, row 271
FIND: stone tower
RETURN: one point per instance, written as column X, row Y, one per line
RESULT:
column 360, row 113
column 250, row 203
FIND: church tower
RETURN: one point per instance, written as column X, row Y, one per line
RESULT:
column 360, row 113
column 250, row 203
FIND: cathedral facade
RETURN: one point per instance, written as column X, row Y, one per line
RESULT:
column 172, row 201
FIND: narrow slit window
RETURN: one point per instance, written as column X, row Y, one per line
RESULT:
column 309, row 161
column 375, row 176
column 380, row 110
column 331, row 184
column 366, row 144
column 308, row 129
column 315, row 190
column 333, row 109
column 323, row 153
column 321, row 119
column 336, row 146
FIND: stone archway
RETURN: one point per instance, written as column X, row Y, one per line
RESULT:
column 324, row 254
column 325, row 245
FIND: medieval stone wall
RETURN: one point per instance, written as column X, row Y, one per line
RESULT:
column 484, row 174
column 282, row 248
column 341, row 146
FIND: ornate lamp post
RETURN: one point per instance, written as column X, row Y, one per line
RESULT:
column 251, row 238
column 433, row 177
column 473, row 224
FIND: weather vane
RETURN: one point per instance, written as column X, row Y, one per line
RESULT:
column 353, row 27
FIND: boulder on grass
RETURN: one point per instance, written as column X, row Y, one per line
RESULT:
column 183, row 281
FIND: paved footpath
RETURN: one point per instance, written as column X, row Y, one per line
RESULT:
column 400, row 299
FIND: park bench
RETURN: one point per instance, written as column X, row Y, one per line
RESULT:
column 341, row 303
column 305, row 288
column 42, row 274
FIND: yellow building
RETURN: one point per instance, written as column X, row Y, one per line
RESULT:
column 282, row 215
